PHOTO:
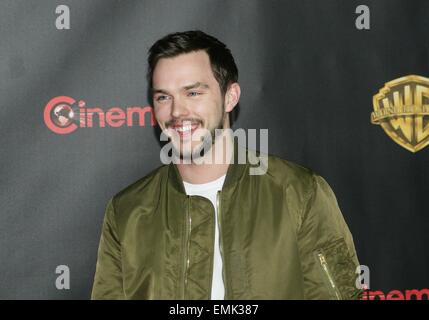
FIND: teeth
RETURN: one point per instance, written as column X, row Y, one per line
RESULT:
column 184, row 128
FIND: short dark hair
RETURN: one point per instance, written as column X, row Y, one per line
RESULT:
column 221, row 60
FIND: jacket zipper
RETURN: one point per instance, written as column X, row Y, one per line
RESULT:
column 220, row 240
column 325, row 268
column 187, row 242
column 212, row 268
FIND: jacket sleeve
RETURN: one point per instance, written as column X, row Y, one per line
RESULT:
column 108, row 273
column 327, row 252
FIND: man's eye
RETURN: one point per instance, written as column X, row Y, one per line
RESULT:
column 194, row 93
column 161, row 98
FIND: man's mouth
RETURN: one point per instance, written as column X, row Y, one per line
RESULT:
column 184, row 130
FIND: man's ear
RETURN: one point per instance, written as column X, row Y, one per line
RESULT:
column 232, row 96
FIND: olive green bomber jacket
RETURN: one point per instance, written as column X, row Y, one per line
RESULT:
column 282, row 236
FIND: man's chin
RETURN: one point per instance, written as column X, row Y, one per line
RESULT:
column 196, row 152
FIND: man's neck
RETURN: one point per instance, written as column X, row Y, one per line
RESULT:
column 209, row 170
column 202, row 173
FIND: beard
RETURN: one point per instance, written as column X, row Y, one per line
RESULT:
column 208, row 139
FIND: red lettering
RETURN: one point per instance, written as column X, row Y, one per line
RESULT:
column 395, row 295
column 141, row 114
column 115, row 117
column 90, row 112
column 417, row 293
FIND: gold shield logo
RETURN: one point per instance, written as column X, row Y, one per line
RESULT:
column 401, row 107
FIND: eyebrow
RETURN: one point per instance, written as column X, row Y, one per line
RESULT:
column 188, row 87
column 196, row 85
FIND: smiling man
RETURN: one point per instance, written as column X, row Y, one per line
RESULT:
column 211, row 229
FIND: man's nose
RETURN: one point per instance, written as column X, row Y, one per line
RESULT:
column 179, row 109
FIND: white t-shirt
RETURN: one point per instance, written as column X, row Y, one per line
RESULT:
column 209, row 190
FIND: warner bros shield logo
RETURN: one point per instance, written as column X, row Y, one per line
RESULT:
column 401, row 107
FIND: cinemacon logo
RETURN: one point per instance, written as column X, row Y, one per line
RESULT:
column 63, row 115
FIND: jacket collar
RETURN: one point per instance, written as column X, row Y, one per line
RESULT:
column 234, row 173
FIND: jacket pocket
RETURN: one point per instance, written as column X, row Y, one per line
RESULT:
column 338, row 270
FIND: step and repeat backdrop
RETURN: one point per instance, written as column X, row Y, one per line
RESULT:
column 341, row 87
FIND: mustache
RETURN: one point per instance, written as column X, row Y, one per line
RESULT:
column 174, row 122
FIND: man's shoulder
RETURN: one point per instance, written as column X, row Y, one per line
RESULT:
column 304, row 181
column 285, row 168
column 288, row 173
column 143, row 188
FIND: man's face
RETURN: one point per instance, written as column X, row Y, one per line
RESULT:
column 187, row 97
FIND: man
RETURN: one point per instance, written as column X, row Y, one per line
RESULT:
column 213, row 230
